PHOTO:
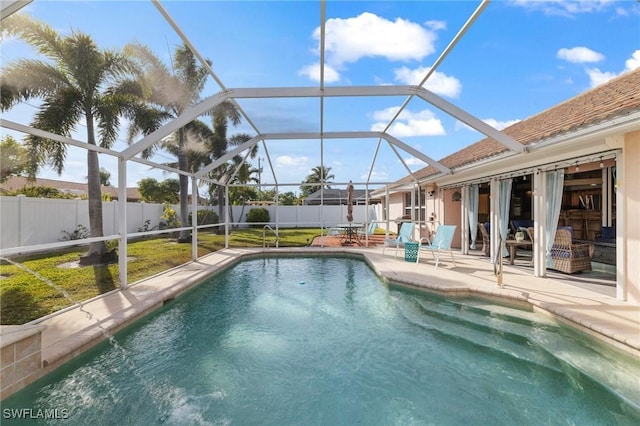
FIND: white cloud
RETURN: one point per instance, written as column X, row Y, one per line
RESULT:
column 633, row 62
column 368, row 35
column 376, row 176
column 496, row 124
column 597, row 77
column 438, row 82
column 422, row 123
column 285, row 160
column 579, row 55
column 313, row 73
column 412, row 161
column 499, row 125
column 563, row 7
column 436, row 25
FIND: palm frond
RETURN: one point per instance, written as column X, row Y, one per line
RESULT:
column 43, row 151
column 107, row 111
column 189, row 71
column 60, row 112
column 158, row 83
column 84, row 62
column 27, row 79
column 38, row 34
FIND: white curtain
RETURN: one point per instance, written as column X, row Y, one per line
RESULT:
column 554, row 188
column 505, row 202
column 474, row 191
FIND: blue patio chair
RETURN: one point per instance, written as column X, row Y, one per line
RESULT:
column 369, row 230
column 404, row 235
column 441, row 242
column 335, row 231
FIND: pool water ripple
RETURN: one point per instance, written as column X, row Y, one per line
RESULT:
column 254, row 346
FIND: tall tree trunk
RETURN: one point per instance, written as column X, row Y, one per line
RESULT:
column 221, row 206
column 95, row 193
column 185, row 235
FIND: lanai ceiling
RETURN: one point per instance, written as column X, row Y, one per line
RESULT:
column 276, row 111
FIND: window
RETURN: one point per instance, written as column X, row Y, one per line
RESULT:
column 419, row 207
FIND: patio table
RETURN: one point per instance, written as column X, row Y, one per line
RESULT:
column 512, row 245
column 350, row 232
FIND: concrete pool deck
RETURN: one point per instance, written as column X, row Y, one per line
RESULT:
column 589, row 306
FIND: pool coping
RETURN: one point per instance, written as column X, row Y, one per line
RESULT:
column 68, row 333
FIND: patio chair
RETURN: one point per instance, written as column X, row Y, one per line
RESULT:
column 369, row 230
column 441, row 242
column 570, row 257
column 404, row 235
column 335, row 231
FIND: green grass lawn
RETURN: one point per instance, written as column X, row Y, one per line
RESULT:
column 25, row 297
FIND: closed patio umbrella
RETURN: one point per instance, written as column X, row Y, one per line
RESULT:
column 350, row 202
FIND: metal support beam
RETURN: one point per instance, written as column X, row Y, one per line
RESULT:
column 194, row 218
column 623, row 279
column 122, row 222
column 177, row 123
column 7, row 124
column 8, row 8
column 228, row 156
column 539, row 224
column 316, row 92
column 416, row 153
column 470, row 120
column 494, row 214
column 464, row 206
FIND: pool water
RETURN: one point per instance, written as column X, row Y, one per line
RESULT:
column 322, row 341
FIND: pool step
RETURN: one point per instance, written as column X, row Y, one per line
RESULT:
column 524, row 335
column 476, row 332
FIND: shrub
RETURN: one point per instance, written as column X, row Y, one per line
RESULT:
column 205, row 217
column 169, row 218
column 79, row 233
column 146, row 226
column 41, row 192
column 258, row 215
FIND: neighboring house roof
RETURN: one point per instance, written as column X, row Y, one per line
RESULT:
column 335, row 197
column 14, row 183
column 617, row 97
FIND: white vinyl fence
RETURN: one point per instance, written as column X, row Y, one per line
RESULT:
column 307, row 216
column 26, row 221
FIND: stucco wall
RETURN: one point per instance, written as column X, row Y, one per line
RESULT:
column 396, row 209
column 631, row 188
column 452, row 214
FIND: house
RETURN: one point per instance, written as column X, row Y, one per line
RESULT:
column 15, row 183
column 593, row 140
column 335, row 197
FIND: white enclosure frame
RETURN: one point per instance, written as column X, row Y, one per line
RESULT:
column 319, row 92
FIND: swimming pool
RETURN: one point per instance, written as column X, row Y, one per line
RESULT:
column 324, row 341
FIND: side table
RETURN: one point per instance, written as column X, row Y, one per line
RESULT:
column 411, row 251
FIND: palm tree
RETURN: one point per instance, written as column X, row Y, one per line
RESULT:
column 80, row 82
column 320, row 178
column 224, row 173
column 174, row 91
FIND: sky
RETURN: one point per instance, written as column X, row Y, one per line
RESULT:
column 517, row 59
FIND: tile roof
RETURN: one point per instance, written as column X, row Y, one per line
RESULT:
column 617, row 97
column 14, row 183
column 334, row 196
